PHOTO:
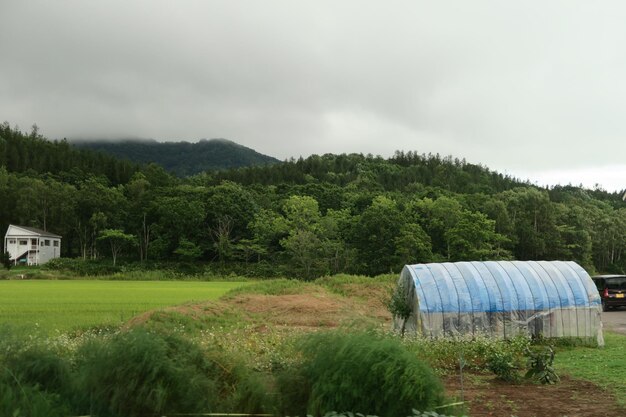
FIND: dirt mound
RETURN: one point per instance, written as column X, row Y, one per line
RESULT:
column 319, row 309
column 195, row 311
column 315, row 309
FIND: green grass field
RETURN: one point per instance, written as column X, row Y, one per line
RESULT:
column 604, row 366
column 65, row 305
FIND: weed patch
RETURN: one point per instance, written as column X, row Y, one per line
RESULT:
column 271, row 287
column 357, row 371
column 481, row 354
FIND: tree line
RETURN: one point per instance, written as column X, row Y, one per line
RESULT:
column 182, row 158
column 307, row 217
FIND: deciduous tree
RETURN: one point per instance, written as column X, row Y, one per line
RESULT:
column 117, row 241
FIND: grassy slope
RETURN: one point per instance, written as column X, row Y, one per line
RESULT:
column 603, row 366
column 63, row 305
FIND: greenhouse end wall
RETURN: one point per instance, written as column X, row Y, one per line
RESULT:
column 502, row 299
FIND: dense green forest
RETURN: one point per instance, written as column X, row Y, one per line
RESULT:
column 33, row 155
column 183, row 158
column 306, row 217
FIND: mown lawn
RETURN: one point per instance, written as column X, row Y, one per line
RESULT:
column 65, row 305
column 604, row 366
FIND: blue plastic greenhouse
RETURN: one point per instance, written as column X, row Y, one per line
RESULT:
column 502, row 299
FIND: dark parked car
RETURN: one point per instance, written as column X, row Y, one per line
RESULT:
column 612, row 289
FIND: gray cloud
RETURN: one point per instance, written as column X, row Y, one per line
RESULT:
column 525, row 87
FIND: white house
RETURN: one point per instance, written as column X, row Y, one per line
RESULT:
column 31, row 246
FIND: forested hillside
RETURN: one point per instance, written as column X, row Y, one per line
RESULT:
column 307, row 217
column 183, row 158
column 21, row 152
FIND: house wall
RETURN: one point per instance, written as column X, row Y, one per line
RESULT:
column 49, row 248
column 17, row 245
column 42, row 248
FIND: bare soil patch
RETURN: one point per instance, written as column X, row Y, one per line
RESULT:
column 486, row 396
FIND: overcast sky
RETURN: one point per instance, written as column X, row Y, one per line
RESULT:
column 532, row 89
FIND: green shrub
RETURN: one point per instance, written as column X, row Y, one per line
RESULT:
column 22, row 400
column 141, row 373
column 540, row 365
column 5, row 260
column 81, row 266
column 40, row 367
column 357, row 371
column 400, row 307
column 34, row 381
column 257, row 270
column 503, row 357
column 341, row 283
column 503, row 365
column 477, row 353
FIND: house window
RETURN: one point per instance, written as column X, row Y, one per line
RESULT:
column 47, row 242
column 11, row 241
column 55, row 243
column 41, row 243
column 23, row 242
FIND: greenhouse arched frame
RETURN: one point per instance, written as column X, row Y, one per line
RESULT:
column 501, row 299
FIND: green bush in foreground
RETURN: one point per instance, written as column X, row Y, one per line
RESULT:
column 141, row 373
column 20, row 400
column 135, row 373
column 34, row 380
column 357, row 371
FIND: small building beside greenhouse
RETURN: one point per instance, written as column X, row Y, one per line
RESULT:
column 31, row 246
column 501, row 299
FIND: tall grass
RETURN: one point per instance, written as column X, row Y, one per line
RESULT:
column 339, row 283
column 138, row 374
column 280, row 286
column 359, row 372
column 125, row 374
column 34, row 380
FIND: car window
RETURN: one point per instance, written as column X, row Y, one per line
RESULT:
column 599, row 283
column 618, row 283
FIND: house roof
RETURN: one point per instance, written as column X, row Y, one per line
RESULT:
column 34, row 230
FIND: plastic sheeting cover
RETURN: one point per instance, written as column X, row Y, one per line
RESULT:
column 502, row 299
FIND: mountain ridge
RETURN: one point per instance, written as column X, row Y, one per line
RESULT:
column 182, row 158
